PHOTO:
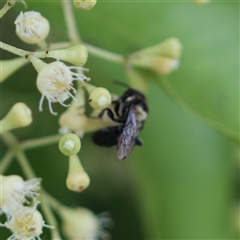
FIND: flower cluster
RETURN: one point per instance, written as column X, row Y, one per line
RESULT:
column 25, row 222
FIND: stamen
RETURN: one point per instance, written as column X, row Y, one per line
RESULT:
column 41, row 103
column 50, row 108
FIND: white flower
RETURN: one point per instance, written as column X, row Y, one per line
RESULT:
column 85, row 4
column 54, row 81
column 14, row 191
column 26, row 224
column 31, row 27
column 81, row 223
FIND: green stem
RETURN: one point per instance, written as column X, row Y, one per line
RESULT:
column 59, row 45
column 14, row 50
column 8, row 5
column 49, row 215
column 28, row 171
column 43, row 45
column 33, row 143
column 6, row 161
column 10, row 140
column 73, row 34
column 110, row 56
column 56, row 205
column 104, row 54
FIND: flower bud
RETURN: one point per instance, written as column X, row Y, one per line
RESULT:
column 76, row 55
column 171, row 48
column 162, row 58
column 85, row 4
column 31, row 27
column 99, row 98
column 69, row 144
column 163, row 65
column 18, row 116
column 8, row 67
column 77, row 179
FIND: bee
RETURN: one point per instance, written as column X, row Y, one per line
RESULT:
column 130, row 111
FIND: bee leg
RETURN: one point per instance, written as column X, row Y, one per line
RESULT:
column 138, row 142
column 110, row 115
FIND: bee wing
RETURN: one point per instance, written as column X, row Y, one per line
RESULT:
column 130, row 131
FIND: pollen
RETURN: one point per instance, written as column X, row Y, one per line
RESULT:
column 102, row 101
column 69, row 145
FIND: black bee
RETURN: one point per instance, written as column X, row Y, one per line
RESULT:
column 130, row 110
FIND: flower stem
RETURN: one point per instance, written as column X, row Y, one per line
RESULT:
column 43, row 45
column 56, row 205
column 49, row 215
column 110, row 56
column 73, row 34
column 59, row 45
column 14, row 50
column 104, row 54
column 8, row 5
column 22, row 159
column 6, row 161
column 33, row 143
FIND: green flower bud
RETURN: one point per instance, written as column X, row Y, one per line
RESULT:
column 76, row 55
column 163, row 65
column 18, row 116
column 171, row 48
column 77, row 179
column 99, row 98
column 69, row 144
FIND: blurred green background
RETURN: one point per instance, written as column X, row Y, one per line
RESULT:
column 184, row 182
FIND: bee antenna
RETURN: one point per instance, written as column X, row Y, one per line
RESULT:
column 121, row 83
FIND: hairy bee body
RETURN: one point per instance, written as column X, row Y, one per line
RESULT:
column 129, row 111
